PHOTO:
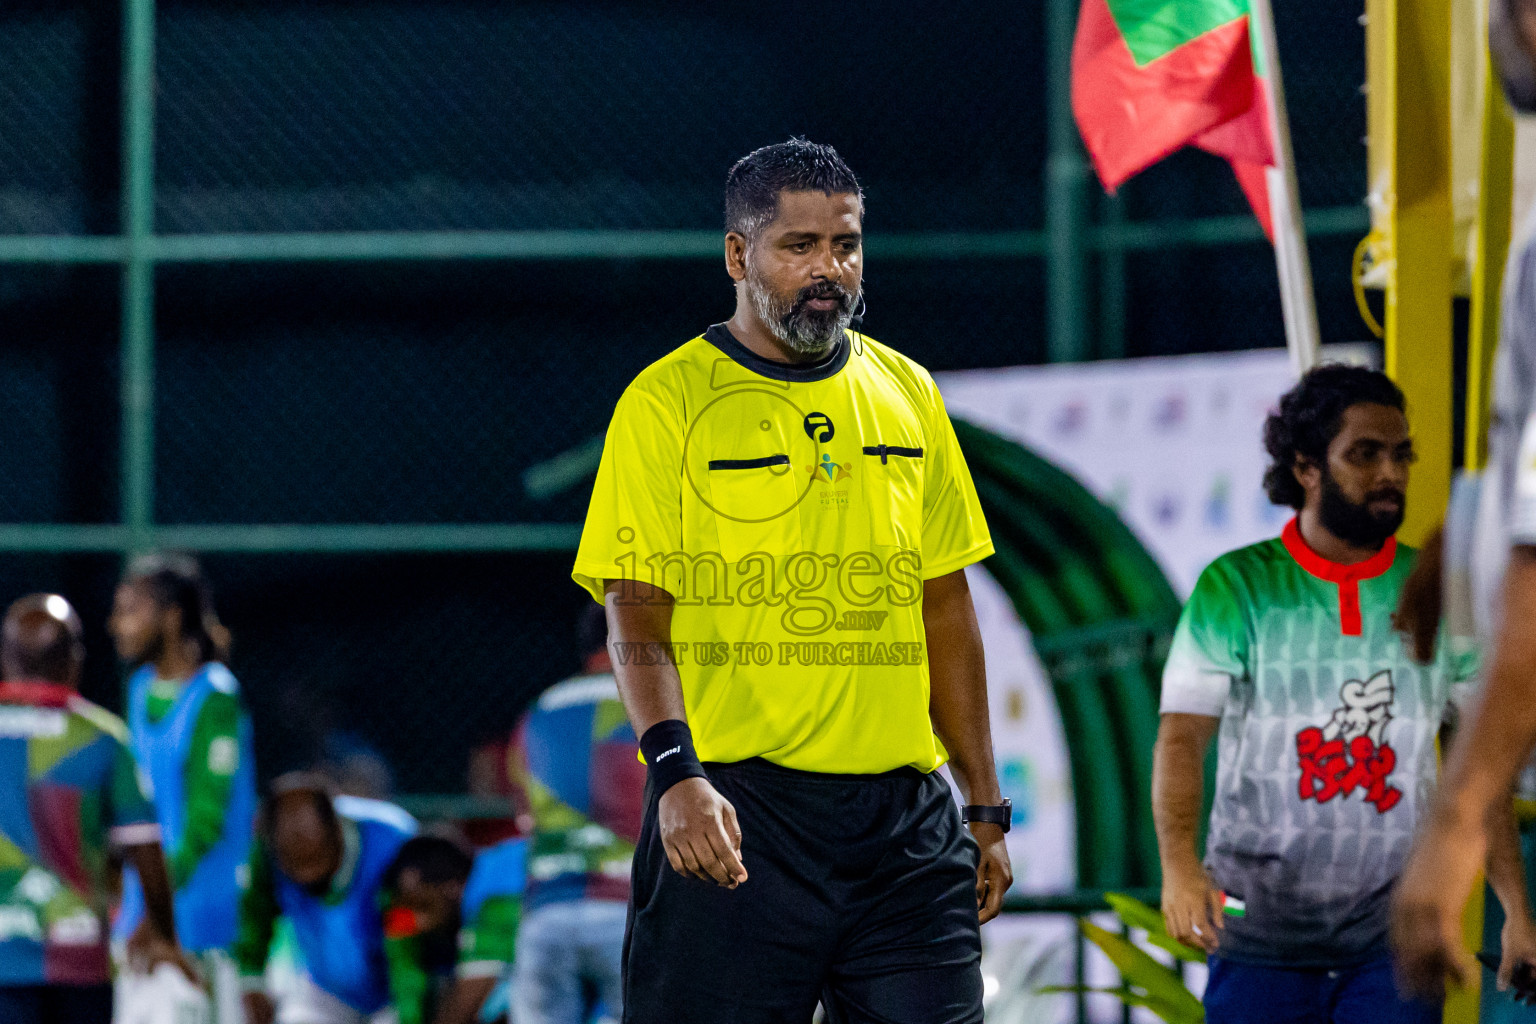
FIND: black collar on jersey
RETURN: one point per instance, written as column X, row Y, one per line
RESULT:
column 721, row 337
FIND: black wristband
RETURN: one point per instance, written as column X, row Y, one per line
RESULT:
column 669, row 756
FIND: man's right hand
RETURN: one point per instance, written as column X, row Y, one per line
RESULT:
column 259, row 1008
column 148, row 949
column 700, row 834
column 1192, row 906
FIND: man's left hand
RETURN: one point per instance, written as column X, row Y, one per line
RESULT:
column 994, row 872
column 1519, row 942
column 1425, row 930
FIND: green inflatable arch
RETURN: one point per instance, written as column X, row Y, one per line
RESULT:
column 1101, row 612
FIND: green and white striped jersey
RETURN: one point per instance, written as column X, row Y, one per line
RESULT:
column 1326, row 753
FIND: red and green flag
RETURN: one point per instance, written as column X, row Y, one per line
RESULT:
column 1152, row 76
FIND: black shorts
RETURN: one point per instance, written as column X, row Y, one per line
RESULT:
column 861, row 894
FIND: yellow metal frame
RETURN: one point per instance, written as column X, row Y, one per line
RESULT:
column 1409, row 109
column 1495, row 212
column 1408, row 60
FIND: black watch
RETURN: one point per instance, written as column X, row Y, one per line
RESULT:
column 1000, row 815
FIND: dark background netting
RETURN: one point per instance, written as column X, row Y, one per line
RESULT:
column 407, row 393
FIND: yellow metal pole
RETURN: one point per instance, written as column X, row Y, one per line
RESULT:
column 1495, row 208
column 1408, row 64
column 1410, row 86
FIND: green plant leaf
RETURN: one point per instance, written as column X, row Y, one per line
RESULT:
column 1188, row 954
column 1059, row 990
column 1142, row 971
column 1180, row 1013
column 1138, row 915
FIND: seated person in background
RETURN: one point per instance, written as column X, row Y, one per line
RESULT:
column 451, row 928
column 575, row 757
column 320, row 860
column 71, row 787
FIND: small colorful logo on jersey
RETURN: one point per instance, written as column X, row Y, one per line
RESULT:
column 831, row 471
column 1350, row 753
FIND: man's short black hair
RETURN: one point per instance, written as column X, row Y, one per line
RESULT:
column 752, row 187
column 435, row 859
column 1309, row 418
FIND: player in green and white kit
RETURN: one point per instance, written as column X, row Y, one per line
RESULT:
column 1327, row 757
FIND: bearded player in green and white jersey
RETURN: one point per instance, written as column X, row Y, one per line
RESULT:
column 1327, row 757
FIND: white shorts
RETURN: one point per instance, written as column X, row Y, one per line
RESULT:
column 307, row 1003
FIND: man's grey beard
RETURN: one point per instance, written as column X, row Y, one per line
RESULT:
column 803, row 331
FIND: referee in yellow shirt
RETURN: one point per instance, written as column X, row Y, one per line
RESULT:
column 779, row 530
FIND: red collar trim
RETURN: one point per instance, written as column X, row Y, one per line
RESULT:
column 35, row 693
column 1335, row 572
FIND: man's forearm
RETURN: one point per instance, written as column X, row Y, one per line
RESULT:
column 1496, row 739
column 957, row 681
column 639, row 645
column 1506, row 866
column 464, row 1000
column 149, row 861
column 1178, row 786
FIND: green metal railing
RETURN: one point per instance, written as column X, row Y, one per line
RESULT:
column 1069, row 240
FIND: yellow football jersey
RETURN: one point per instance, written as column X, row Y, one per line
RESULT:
column 793, row 512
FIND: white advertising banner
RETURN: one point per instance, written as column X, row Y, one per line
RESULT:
column 1173, row 443
column 1029, row 745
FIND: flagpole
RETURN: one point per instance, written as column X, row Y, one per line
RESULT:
column 1302, row 337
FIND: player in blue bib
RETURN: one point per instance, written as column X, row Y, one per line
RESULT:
column 191, row 737
column 321, row 861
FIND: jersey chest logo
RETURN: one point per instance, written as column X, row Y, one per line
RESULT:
column 818, row 426
column 1350, row 752
column 828, row 471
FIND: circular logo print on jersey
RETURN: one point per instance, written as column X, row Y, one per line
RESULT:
column 815, row 421
column 744, row 459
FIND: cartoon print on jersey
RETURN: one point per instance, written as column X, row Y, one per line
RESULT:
column 1349, row 752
